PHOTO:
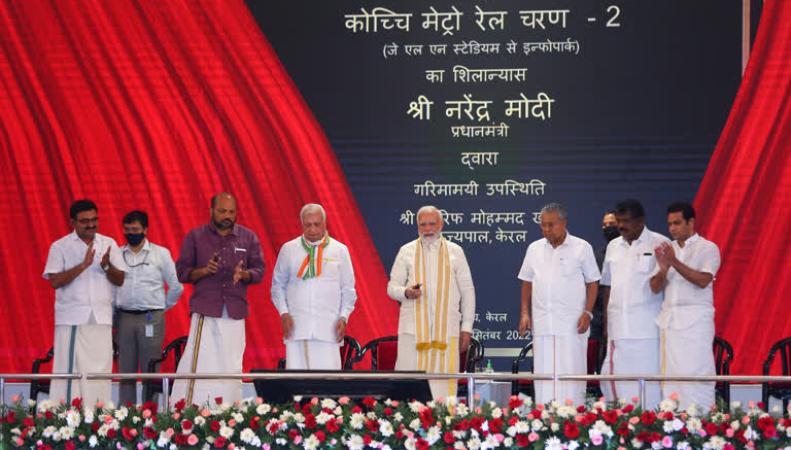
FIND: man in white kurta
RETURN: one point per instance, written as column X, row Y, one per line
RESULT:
column 686, row 322
column 313, row 291
column 631, row 305
column 83, row 267
column 431, row 280
column 559, row 275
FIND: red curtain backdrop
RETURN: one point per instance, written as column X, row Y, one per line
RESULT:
column 744, row 202
column 158, row 105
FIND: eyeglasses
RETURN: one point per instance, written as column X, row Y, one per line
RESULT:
column 88, row 220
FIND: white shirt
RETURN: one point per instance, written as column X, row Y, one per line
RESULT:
column 89, row 297
column 461, row 297
column 148, row 271
column 685, row 304
column 317, row 303
column 558, row 277
column 628, row 269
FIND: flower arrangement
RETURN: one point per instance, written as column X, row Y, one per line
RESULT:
column 315, row 423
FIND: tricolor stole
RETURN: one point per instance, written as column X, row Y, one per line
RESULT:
column 432, row 342
column 311, row 265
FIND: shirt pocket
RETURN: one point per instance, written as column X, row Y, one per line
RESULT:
column 646, row 262
column 569, row 267
column 330, row 269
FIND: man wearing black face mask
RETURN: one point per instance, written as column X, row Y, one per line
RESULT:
column 141, row 302
column 609, row 227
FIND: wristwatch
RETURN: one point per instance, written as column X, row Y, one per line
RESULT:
column 105, row 267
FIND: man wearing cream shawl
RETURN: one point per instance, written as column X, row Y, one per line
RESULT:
column 431, row 280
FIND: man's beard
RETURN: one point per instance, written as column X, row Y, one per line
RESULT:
column 431, row 238
column 224, row 224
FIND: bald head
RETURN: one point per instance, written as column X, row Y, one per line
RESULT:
column 223, row 212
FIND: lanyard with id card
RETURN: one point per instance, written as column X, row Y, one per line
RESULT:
column 149, row 326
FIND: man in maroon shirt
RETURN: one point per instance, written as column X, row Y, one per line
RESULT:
column 220, row 259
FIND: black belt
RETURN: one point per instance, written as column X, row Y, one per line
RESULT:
column 139, row 311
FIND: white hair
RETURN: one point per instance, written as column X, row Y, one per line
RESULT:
column 563, row 213
column 311, row 208
column 429, row 209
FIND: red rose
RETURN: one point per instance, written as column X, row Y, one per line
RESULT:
column 77, row 402
column 571, row 430
column 69, row 445
column 372, row 425
column 765, row 422
column 728, row 447
column 495, row 425
column 180, row 439
column 367, row 439
column 220, row 442
column 253, row 423
column 421, row 444
column 514, row 402
column 321, row 436
column 149, row 433
column 95, row 426
column 356, row 409
column 186, row 425
column 388, row 411
column 648, row 418
column 11, row 417
column 610, row 417
column 218, row 400
column 28, row 422
column 180, row 405
column 522, row 440
column 111, row 434
column 448, row 437
column 48, row 415
column 215, row 426
column 332, row 425
column 628, row 408
column 369, row 402
column 125, row 432
column 623, row 430
column 770, row 433
column 310, row 421
column 292, row 433
column 711, row 429
column 581, row 408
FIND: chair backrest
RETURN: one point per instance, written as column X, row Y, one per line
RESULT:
column 470, row 359
column 523, row 356
column 349, row 350
column 723, row 356
column 166, row 363
column 383, row 352
column 782, row 348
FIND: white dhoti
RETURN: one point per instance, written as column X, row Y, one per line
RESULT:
column 689, row 352
column 561, row 355
column 438, row 361
column 84, row 349
column 309, row 354
column 214, row 345
column 631, row 357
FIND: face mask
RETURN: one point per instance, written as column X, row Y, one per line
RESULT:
column 134, row 238
column 610, row 233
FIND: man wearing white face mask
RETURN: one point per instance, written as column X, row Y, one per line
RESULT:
column 431, row 280
column 313, row 290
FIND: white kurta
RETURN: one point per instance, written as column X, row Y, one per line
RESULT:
column 558, row 277
column 687, row 324
column 633, row 337
column 221, row 349
column 315, row 304
column 83, row 317
column 461, row 307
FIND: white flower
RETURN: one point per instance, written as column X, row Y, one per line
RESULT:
column 102, row 431
column 121, row 413
column 602, row 427
column 677, row 424
column 238, row 417
column 474, row 443
column 637, row 443
column 667, row 427
column 66, row 433
column 311, row 443
column 683, row 445
column 386, row 428
column 693, row 424
column 247, row 435
column 355, row 442
column 49, row 431
column 371, row 415
column 600, row 405
column 554, row 427
column 328, row 403
column 398, row 417
column 521, row 427
column 735, row 425
column 462, row 410
column 88, row 416
column 566, row 411
column 553, row 443
column 536, row 425
column 199, row 421
column 163, row 440
column 750, row 435
column 458, row 445
column 262, row 409
column 357, row 420
column 667, row 405
column 573, row 445
column 73, row 418
column 433, row 435
column 226, row 431
column 692, row 410
column 299, row 418
column 497, row 413
column 93, row 441
column 136, row 419
column 414, row 424
column 508, row 442
column 416, row 406
column 490, row 442
column 511, row 431
column 323, row 417
column 716, row 442
column 409, row 444
column 736, row 404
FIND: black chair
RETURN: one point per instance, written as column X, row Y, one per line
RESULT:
column 175, row 348
column 383, row 352
column 723, row 356
column 469, row 362
column 781, row 391
column 523, row 386
column 42, row 386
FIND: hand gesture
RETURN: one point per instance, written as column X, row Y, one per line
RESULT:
column 583, row 323
column 214, row 264
column 287, row 322
column 106, row 258
column 524, row 324
column 340, row 329
column 239, row 274
column 89, row 254
column 413, row 292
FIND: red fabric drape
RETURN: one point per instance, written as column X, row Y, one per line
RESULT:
column 158, row 105
column 744, row 202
